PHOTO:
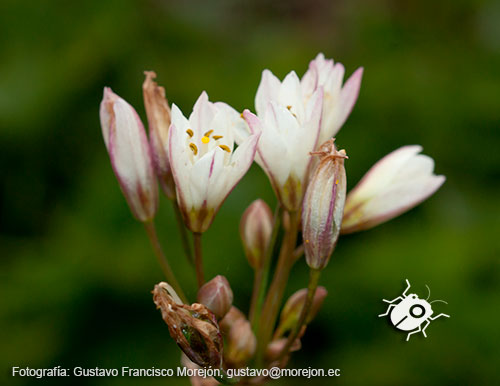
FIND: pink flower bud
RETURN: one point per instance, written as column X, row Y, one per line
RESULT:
column 130, row 155
column 275, row 348
column 256, row 227
column 241, row 343
column 230, row 319
column 324, row 206
column 293, row 308
column 217, row 296
column 158, row 112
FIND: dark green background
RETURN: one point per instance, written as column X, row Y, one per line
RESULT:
column 76, row 270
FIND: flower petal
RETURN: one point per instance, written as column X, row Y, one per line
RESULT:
column 202, row 115
column 395, row 184
column 267, row 91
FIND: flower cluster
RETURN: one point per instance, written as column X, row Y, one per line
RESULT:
column 198, row 158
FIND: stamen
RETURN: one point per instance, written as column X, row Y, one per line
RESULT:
column 193, row 147
column 207, row 134
column 190, row 133
column 289, row 107
column 336, row 182
column 225, row 148
column 205, row 139
column 217, row 137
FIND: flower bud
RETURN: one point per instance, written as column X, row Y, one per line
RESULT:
column 194, row 328
column 324, row 206
column 130, row 155
column 275, row 348
column 293, row 308
column 158, row 112
column 217, row 296
column 395, row 184
column 256, row 227
column 230, row 319
column 241, row 343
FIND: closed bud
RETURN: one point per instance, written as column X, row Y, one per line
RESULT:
column 256, row 227
column 275, row 348
column 217, row 296
column 130, row 155
column 293, row 308
column 230, row 319
column 324, row 205
column 241, row 343
column 194, row 328
column 158, row 112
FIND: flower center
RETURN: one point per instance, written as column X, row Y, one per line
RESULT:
column 205, row 140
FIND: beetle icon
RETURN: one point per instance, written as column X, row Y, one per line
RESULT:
column 411, row 313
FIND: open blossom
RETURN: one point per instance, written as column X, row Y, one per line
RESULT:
column 324, row 206
column 290, row 129
column 130, row 155
column 158, row 112
column 204, row 163
column 395, row 184
column 338, row 100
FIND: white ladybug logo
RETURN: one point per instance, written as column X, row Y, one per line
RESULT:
column 411, row 313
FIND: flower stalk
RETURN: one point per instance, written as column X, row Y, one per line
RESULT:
column 198, row 259
column 186, row 246
column 150, row 228
column 262, row 274
column 314, row 275
column 277, row 288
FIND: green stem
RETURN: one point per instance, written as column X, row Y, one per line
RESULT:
column 198, row 259
column 277, row 288
column 225, row 379
column 165, row 266
column 311, row 290
column 262, row 275
column 257, row 284
column 182, row 230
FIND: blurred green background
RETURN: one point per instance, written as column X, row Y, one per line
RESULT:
column 76, row 270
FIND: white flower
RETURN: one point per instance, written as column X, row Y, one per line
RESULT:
column 395, row 184
column 130, row 155
column 338, row 100
column 202, row 159
column 290, row 129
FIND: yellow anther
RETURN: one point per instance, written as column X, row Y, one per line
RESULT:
column 225, row 148
column 242, row 116
column 336, row 182
column 190, row 133
column 207, row 134
column 217, row 137
column 193, row 147
column 205, row 139
column 307, row 241
column 289, row 107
